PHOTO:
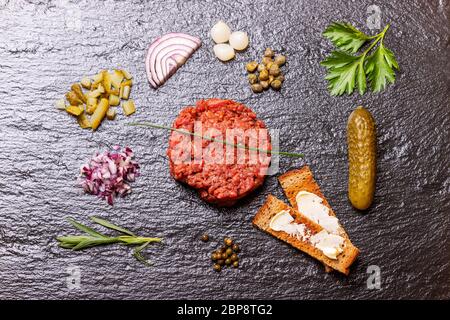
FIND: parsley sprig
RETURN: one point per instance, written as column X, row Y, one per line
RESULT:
column 346, row 70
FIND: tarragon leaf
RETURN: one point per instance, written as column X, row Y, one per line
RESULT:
column 86, row 229
column 109, row 225
column 380, row 68
column 345, row 36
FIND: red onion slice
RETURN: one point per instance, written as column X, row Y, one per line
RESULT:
column 166, row 54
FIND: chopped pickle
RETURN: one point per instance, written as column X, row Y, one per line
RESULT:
column 78, row 91
column 73, row 99
column 90, row 109
column 125, row 94
column 60, row 104
column 86, row 82
column 74, row 110
column 91, row 101
column 116, row 78
column 126, row 74
column 128, row 107
column 83, row 121
column 99, row 113
column 111, row 114
column 126, row 83
column 98, row 78
column 107, row 81
column 114, row 100
column 115, row 92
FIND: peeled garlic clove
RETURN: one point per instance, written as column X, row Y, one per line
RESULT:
column 239, row 40
column 220, row 32
column 223, row 52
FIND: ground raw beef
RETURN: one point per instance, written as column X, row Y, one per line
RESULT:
column 221, row 173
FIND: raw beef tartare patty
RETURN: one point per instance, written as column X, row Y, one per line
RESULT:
column 201, row 164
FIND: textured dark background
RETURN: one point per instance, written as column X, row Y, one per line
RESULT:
column 45, row 47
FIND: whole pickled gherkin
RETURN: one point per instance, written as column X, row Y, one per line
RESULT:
column 361, row 140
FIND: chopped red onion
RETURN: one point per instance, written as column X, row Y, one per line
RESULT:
column 107, row 174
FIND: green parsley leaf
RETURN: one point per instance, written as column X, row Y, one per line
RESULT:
column 344, row 71
column 347, row 71
column 345, row 36
column 380, row 68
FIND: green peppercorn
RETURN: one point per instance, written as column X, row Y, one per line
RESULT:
column 269, row 53
column 252, row 78
column 228, row 262
column 220, row 262
column 276, row 84
column 224, row 256
column 257, row 88
column 266, row 61
column 217, row 267
column 274, row 70
column 251, row 66
column 280, row 78
column 222, row 249
column 261, row 67
column 236, row 264
column 234, row 257
column 228, row 242
column 229, row 252
column 236, row 248
column 265, row 84
column 214, row 256
column 280, row 60
column 204, row 238
column 263, row 75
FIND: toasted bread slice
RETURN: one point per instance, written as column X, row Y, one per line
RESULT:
column 272, row 206
column 302, row 179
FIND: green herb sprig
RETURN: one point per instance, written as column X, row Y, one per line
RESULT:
column 240, row 146
column 94, row 238
column 345, row 70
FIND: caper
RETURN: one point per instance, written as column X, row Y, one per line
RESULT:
column 280, row 77
column 252, row 78
column 251, row 66
column 228, row 242
column 280, row 60
column 257, row 88
column 269, row 53
column 266, row 61
column 261, row 67
column 263, row 75
column 229, row 252
column 220, row 262
column 276, row 84
column 236, row 248
column 265, row 84
column 204, row 238
column 234, row 257
column 236, row 264
column 274, row 70
column 217, row 267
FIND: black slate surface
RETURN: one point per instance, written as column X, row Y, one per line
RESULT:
column 46, row 46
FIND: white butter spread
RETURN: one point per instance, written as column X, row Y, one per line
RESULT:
column 283, row 221
column 312, row 206
column 329, row 244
